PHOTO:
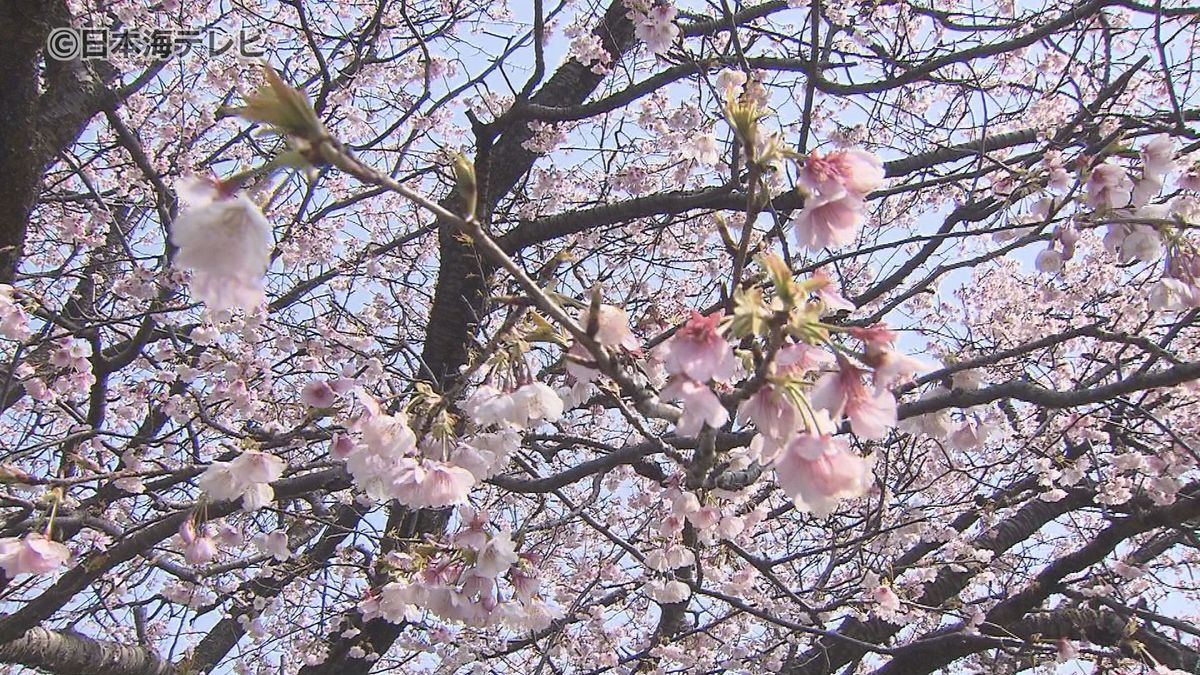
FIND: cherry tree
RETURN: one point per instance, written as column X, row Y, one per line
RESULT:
column 585, row 336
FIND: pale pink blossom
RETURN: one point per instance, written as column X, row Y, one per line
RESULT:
column 700, row 406
column 253, row 466
column 536, row 402
column 1109, row 186
column 318, row 394
column 828, row 293
column 731, row 82
column 871, row 413
column 772, row 413
column 496, row 556
column 1049, row 261
column 818, row 470
column 698, row 352
column 1143, row 243
column 853, row 171
column 886, row 599
column 657, row 28
column 1145, row 189
column 1172, row 295
column 612, row 329
column 225, row 240
column 275, row 545
column 32, row 554
column 828, row 223
column 1158, row 157
column 731, row 526
column 801, row 358
column 668, row 592
column 200, row 550
column 220, row 482
column 705, row 518
column 670, row 558
column 1190, row 180
column 432, row 485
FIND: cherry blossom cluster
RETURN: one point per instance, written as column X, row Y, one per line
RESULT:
column 247, row 477
column 654, row 23
column 1137, row 229
column 462, row 581
column 386, row 463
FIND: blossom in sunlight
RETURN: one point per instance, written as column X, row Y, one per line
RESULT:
column 1158, row 157
column 612, row 329
column 318, row 394
column 772, row 413
column 430, row 484
column 668, row 592
column 886, row 599
column 698, row 351
column 247, row 477
column 1172, row 295
column 496, row 556
column 536, row 402
column 827, row 292
column 840, row 173
column 657, row 27
column 871, row 413
column 199, row 547
column 835, row 187
column 828, row 223
column 32, row 554
column 1109, row 186
column 700, row 406
column 817, row 470
column 225, row 240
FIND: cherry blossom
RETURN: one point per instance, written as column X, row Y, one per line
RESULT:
column 841, row 393
column 225, row 240
column 32, row 554
column 700, row 406
column 817, row 471
column 699, row 352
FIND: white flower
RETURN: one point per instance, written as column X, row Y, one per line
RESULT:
column 226, row 241
column 496, row 556
column 275, row 544
column 1171, row 295
column 668, row 592
column 537, row 402
column 657, row 28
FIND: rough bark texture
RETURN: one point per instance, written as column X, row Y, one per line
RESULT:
column 69, row 653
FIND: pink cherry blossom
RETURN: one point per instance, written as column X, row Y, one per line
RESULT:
column 612, row 329
column 817, row 471
column 32, row 554
column 496, row 556
column 1158, row 157
column 772, row 413
column 828, row 293
column 318, row 394
column 871, row 413
column 700, row 406
column 1109, row 186
column 431, row 484
column 657, row 28
column 828, row 223
column 698, row 352
column 853, row 171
